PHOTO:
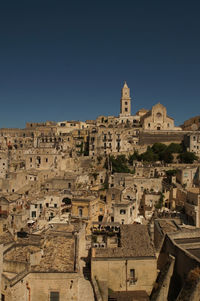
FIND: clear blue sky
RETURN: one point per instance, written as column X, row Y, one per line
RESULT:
column 64, row 60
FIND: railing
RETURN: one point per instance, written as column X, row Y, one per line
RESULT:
column 132, row 281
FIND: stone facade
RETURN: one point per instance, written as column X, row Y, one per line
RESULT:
column 192, row 124
column 157, row 119
column 124, row 268
column 192, row 143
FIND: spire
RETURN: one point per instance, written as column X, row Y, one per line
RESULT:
column 125, row 85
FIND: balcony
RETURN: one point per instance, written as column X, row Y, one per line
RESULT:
column 132, row 281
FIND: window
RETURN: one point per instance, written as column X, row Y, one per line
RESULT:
column 132, row 279
column 54, row 296
column 46, row 160
column 113, row 196
column 35, row 205
column 33, row 214
column 80, row 212
column 126, row 103
column 38, row 160
column 122, row 211
column 126, row 109
column 55, row 205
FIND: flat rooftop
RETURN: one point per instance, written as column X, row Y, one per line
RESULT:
column 188, row 240
column 167, row 225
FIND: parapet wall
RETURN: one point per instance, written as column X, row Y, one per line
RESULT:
column 160, row 136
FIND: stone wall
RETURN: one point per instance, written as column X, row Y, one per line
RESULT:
column 147, row 137
column 39, row 286
column 116, row 273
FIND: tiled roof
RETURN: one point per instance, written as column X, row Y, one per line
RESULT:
column 58, row 255
column 6, row 237
column 135, row 242
column 21, row 253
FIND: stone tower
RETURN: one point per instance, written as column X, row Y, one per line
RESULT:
column 125, row 102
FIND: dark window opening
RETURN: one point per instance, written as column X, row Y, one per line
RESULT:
column 80, row 212
column 33, row 214
column 54, row 296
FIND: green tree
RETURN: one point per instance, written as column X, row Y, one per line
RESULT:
column 134, row 157
column 149, row 156
column 187, row 157
column 158, row 148
column 171, row 172
column 175, row 148
column 159, row 204
column 166, row 156
column 118, row 164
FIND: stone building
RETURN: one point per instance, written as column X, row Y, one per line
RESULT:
column 44, row 268
column 148, row 203
column 192, row 206
column 192, row 142
column 178, row 256
column 157, row 120
column 188, row 176
column 3, row 164
column 192, row 124
column 123, row 265
column 162, row 227
column 113, row 140
column 4, row 207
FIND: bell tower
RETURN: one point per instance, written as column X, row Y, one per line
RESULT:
column 125, row 102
